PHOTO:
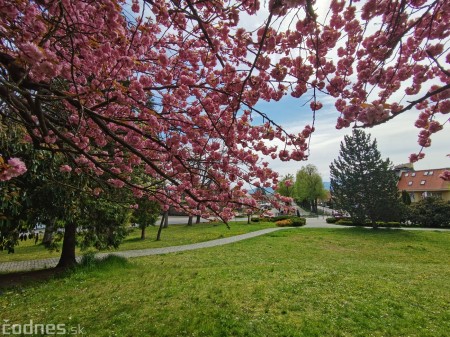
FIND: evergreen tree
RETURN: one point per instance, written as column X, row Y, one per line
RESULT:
column 362, row 183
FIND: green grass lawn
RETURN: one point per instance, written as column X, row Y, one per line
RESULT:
column 174, row 235
column 296, row 282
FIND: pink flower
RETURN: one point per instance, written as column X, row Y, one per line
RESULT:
column 288, row 183
column 97, row 191
column 31, row 52
column 135, row 7
column 415, row 157
column 14, row 168
column 445, row 175
column 65, row 168
column 116, row 183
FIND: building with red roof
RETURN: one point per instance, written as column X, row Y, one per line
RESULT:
column 424, row 183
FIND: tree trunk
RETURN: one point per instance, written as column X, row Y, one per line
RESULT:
column 158, row 236
column 143, row 232
column 67, row 258
column 248, row 219
column 314, row 206
column 374, row 224
column 166, row 219
column 198, row 219
column 190, row 220
column 47, row 240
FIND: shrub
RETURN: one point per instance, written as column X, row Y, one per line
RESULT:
column 298, row 222
column 331, row 220
column 344, row 222
column 255, row 219
column 88, row 260
column 430, row 212
column 281, row 217
column 391, row 224
column 284, row 223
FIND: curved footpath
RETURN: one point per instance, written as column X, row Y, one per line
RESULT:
column 17, row 266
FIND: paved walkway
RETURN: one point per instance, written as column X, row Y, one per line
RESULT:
column 7, row 267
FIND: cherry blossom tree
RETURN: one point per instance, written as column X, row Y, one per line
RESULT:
column 78, row 76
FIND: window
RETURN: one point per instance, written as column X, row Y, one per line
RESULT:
column 423, row 182
column 410, row 183
column 406, row 174
column 413, row 174
column 425, row 173
column 430, row 173
column 412, row 196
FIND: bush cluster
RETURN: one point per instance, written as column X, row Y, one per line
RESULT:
column 284, row 223
column 298, row 222
column 430, row 212
column 293, row 221
column 280, row 217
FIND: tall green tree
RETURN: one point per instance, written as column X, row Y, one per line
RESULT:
column 286, row 186
column 309, row 187
column 362, row 183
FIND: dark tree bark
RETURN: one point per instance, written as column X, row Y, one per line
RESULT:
column 47, row 240
column 198, row 219
column 67, row 258
column 158, row 236
column 190, row 220
column 166, row 219
column 143, row 232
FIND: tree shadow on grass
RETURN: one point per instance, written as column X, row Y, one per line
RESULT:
column 28, row 278
column 89, row 263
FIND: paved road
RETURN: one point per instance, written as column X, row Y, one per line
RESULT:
column 183, row 220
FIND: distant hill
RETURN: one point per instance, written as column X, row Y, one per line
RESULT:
column 326, row 185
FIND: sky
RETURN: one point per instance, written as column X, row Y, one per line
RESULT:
column 396, row 139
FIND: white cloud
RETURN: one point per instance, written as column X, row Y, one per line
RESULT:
column 396, row 139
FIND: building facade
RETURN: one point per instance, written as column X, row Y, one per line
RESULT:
column 424, row 183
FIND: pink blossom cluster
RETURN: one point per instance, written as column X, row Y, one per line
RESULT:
column 445, row 175
column 14, row 167
column 171, row 89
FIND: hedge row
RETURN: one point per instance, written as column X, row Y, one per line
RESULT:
column 369, row 224
column 293, row 221
column 284, row 220
column 346, row 222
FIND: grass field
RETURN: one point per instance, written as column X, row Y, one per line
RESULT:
column 299, row 282
column 174, row 235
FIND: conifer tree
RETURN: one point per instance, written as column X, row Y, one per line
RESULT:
column 362, row 183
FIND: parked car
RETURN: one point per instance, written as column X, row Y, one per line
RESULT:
column 337, row 214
